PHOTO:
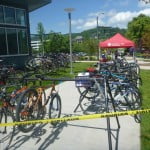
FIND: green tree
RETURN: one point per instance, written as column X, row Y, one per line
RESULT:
column 137, row 28
column 88, row 46
column 56, row 42
column 78, row 47
column 91, row 46
column 146, row 37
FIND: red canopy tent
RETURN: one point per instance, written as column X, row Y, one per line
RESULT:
column 117, row 41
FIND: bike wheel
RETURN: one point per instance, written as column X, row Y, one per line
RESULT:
column 130, row 101
column 134, row 98
column 91, row 105
column 55, row 107
column 92, row 92
column 136, row 106
column 6, row 132
column 27, row 109
column 120, row 100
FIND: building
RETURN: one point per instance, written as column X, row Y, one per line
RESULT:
column 35, row 42
column 78, row 39
column 15, row 29
column 35, row 45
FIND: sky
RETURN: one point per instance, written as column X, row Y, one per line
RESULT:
column 110, row 13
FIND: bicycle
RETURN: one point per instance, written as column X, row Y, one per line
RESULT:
column 126, row 95
column 32, row 105
column 90, row 89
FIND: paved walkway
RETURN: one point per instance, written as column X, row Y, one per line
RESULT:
column 78, row 135
column 143, row 64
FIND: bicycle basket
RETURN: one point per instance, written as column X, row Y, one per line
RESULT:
column 83, row 80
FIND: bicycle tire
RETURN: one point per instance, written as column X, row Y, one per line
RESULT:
column 29, row 113
column 92, row 92
column 8, row 133
column 132, row 101
column 137, row 106
column 55, row 107
column 91, row 105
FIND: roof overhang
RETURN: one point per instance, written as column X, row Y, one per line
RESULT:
column 28, row 4
column 35, row 4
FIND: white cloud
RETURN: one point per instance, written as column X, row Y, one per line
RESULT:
column 77, row 22
column 142, row 4
column 89, row 23
column 111, row 13
column 145, row 11
column 111, row 18
column 100, row 14
column 121, row 19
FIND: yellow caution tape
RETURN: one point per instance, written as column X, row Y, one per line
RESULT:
column 73, row 118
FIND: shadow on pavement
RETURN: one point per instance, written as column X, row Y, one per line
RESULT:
column 21, row 139
column 37, row 134
column 53, row 136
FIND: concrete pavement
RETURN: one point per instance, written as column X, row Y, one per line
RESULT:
column 145, row 65
column 78, row 135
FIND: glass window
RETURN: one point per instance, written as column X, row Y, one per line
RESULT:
column 20, row 17
column 3, row 47
column 10, row 15
column 12, row 41
column 22, row 40
column 1, row 15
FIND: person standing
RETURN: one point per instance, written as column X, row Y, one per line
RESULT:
column 116, row 54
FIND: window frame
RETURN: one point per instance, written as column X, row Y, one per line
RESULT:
column 3, row 14
column 18, row 29
column 15, row 24
column 25, row 17
column 18, row 48
column 5, row 41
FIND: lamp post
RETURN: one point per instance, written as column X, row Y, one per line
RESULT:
column 99, row 50
column 69, row 10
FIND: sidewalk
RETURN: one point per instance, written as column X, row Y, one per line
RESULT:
column 143, row 64
column 78, row 135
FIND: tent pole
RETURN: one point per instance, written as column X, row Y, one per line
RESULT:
column 99, row 53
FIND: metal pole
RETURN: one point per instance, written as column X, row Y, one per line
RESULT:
column 98, row 39
column 69, row 10
column 70, row 39
column 99, row 50
column 107, row 119
column 97, row 27
column 42, row 45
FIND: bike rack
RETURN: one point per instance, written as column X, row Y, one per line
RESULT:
column 107, row 88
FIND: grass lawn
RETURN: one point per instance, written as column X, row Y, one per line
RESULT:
column 77, row 67
column 145, row 125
